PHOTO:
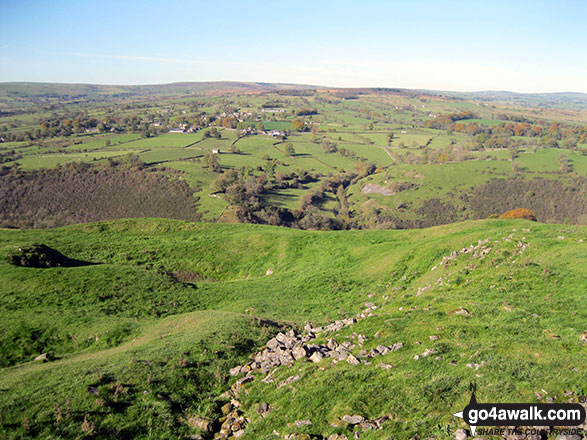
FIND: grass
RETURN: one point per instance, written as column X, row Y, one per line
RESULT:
column 126, row 324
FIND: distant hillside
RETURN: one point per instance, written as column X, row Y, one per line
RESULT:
column 557, row 99
column 95, row 91
column 29, row 90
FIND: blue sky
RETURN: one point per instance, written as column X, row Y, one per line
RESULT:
column 526, row 46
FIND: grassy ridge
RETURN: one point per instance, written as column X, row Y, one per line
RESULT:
column 173, row 305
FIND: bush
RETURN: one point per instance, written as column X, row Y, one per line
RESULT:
column 521, row 213
column 38, row 255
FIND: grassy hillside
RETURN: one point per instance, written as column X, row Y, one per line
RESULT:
column 143, row 340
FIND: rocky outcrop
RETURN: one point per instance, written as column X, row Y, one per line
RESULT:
column 286, row 348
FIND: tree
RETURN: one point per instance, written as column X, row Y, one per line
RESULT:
column 328, row 147
column 211, row 161
column 298, row 125
column 563, row 160
column 289, row 149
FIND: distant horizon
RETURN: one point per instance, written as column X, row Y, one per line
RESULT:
column 316, row 86
column 455, row 45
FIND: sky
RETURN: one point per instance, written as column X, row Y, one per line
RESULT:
column 515, row 45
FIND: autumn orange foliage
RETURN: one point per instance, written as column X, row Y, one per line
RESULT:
column 522, row 213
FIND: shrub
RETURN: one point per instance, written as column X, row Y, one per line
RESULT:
column 521, row 213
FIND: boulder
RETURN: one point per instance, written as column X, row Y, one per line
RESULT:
column 45, row 357
column 264, row 409
column 382, row 349
column 195, row 421
column 461, row 434
column 353, row 419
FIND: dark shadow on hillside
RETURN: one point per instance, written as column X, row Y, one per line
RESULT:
column 42, row 256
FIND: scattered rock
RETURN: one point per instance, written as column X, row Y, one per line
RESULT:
column 264, row 409
column 337, row 437
column 460, row 311
column 269, row 272
column 93, row 390
column 299, row 423
column 385, row 366
column 426, row 353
